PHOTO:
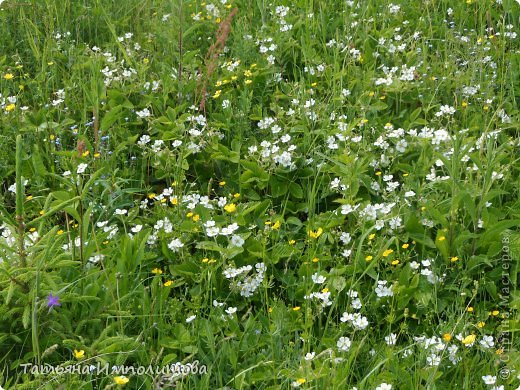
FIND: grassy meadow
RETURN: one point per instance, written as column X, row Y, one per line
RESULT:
column 251, row 194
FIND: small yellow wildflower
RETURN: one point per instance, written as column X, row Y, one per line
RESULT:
column 314, row 84
column 79, row 354
column 236, row 196
column 168, row 283
column 395, row 262
column 85, row 153
column 157, row 271
column 97, row 155
column 248, row 81
column 196, row 217
column 301, row 381
column 205, row 260
column 454, row 259
column 8, row 76
column 42, row 212
column 146, row 60
column 174, row 200
column 464, row 104
column 292, row 242
column 315, row 234
column 276, row 225
column 469, row 339
column 217, row 94
column 481, row 324
column 189, row 215
column 29, row 197
column 325, row 290
column 60, row 232
column 499, row 351
column 32, row 230
column 248, row 73
column 371, row 93
column 296, row 308
column 230, row 208
column 315, row 260
column 470, row 309
column 378, row 173
column 446, row 337
column 442, row 238
column 270, row 310
column 368, row 258
column 405, row 246
column 10, row 107
column 222, row 183
column 372, row 236
column 388, row 252
column 121, row 380
column 495, row 313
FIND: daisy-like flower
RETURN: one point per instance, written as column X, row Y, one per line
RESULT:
column 343, row 344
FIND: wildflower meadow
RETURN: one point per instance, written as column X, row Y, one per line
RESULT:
column 251, row 194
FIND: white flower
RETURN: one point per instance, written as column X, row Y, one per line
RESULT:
column 66, row 173
column 231, row 311
column 489, row 380
column 487, row 342
column 391, row 339
column 191, row 318
column 384, row 386
column 237, row 241
column 144, row 113
column 120, row 212
column 81, row 168
column 137, row 228
column 310, row 355
column 318, row 279
column 175, row 245
column 343, row 344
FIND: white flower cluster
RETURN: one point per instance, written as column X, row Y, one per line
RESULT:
column 248, row 283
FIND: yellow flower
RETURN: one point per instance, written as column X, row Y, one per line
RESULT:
column 230, row 208
column 301, row 381
column 387, row 252
column 10, row 107
column 8, row 76
column 372, row 236
column 79, row 354
column 371, row 93
column 236, row 196
column 405, row 246
column 495, row 313
column 157, row 271
column 248, row 73
column 267, row 223
column 222, row 183
column 292, row 242
column 470, row 309
column 499, row 351
column 315, row 234
column 32, row 230
column 315, row 260
column 368, row 258
column 42, row 212
column 378, row 173
column 60, row 232
column 97, row 155
column 217, row 94
column 146, row 60
column 446, row 337
column 442, row 238
column 276, row 225
column 486, row 108
column 395, row 262
column 205, row 260
column 481, row 324
column 464, row 104
column 248, row 81
column 196, row 217
column 168, row 283
column 454, row 259
column 29, row 197
column 325, row 290
column 296, row 308
column 151, row 196
column 469, row 339
column 270, row 310
column 189, row 215
column 174, row 200
column 121, row 380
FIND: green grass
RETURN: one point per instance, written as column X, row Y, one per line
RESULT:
column 339, row 211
